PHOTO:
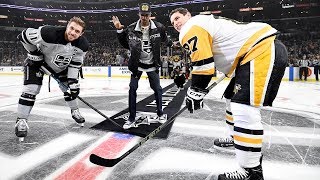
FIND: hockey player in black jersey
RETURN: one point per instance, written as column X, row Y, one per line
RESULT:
column 61, row 50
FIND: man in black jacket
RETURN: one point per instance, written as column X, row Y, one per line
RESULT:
column 143, row 38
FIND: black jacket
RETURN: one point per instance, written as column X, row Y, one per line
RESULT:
column 130, row 38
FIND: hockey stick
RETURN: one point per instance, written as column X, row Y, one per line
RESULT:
column 66, row 88
column 98, row 160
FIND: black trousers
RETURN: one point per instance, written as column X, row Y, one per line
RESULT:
column 303, row 71
column 316, row 72
column 154, row 81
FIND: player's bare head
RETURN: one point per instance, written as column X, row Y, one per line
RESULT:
column 78, row 21
column 75, row 29
column 178, row 17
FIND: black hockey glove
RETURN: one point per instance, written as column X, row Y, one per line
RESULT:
column 34, row 59
column 194, row 98
column 74, row 88
column 179, row 80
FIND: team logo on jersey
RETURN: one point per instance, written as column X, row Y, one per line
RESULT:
column 61, row 61
column 39, row 74
column 146, row 47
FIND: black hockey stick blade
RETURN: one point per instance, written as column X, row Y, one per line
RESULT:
column 98, row 160
column 102, row 161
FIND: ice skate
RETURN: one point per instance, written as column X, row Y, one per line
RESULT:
column 77, row 117
column 21, row 128
column 243, row 174
column 254, row 173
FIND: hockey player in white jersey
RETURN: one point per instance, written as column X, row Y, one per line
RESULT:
column 61, row 50
column 258, row 61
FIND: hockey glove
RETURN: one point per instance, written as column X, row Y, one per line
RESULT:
column 179, row 80
column 194, row 98
column 74, row 88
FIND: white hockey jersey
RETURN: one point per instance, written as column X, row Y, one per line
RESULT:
column 226, row 40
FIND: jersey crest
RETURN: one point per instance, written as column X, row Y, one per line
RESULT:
column 61, row 61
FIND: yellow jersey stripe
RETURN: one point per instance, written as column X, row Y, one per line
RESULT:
column 229, row 118
column 246, row 47
column 203, row 71
column 247, row 140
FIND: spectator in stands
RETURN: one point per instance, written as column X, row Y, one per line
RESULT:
column 303, row 70
column 143, row 38
column 170, row 68
column 316, row 64
column 165, row 66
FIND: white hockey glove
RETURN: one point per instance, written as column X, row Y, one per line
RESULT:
column 194, row 98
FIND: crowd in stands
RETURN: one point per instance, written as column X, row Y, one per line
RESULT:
column 12, row 52
column 299, row 45
column 105, row 49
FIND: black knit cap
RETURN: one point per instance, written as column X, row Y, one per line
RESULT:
column 144, row 8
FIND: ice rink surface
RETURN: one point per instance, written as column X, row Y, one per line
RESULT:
column 57, row 148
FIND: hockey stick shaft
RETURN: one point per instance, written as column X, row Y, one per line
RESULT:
column 216, row 82
column 111, row 162
column 65, row 88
